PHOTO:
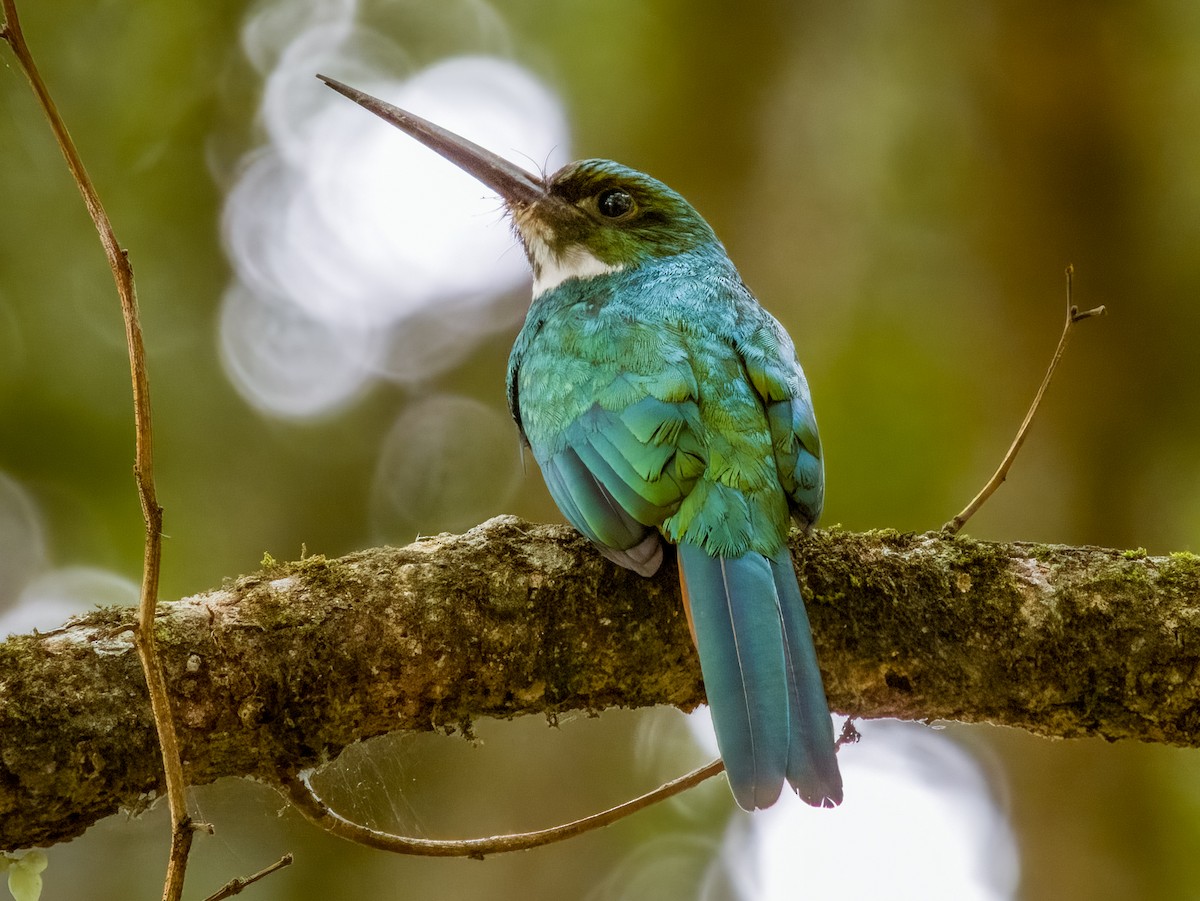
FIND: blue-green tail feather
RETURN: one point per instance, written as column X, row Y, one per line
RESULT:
column 761, row 676
column 740, row 640
column 812, row 768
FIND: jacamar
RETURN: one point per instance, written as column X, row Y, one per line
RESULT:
column 662, row 402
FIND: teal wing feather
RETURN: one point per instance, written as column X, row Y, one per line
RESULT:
column 771, row 366
column 619, row 474
column 611, row 422
column 581, row 494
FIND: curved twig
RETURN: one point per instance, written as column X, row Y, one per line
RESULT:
column 1073, row 315
column 182, row 827
column 298, row 790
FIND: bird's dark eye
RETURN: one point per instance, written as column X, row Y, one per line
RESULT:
column 614, row 203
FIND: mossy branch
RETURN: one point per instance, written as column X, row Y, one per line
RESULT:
column 279, row 671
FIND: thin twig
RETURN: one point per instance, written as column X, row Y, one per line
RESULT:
column 1073, row 316
column 301, row 794
column 235, row 886
column 118, row 261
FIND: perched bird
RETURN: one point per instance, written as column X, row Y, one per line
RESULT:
column 662, row 402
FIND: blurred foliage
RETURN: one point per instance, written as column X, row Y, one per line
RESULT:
column 901, row 183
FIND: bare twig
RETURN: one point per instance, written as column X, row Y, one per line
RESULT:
column 1073, row 315
column 118, row 261
column 235, row 886
column 301, row 794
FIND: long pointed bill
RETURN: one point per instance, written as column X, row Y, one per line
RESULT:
column 510, row 181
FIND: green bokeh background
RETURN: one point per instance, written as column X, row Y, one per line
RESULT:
column 901, row 183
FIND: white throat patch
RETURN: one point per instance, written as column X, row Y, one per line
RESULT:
column 550, row 270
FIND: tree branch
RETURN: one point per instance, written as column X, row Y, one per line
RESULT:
column 279, row 671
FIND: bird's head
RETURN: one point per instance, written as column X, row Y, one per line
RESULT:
column 588, row 218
